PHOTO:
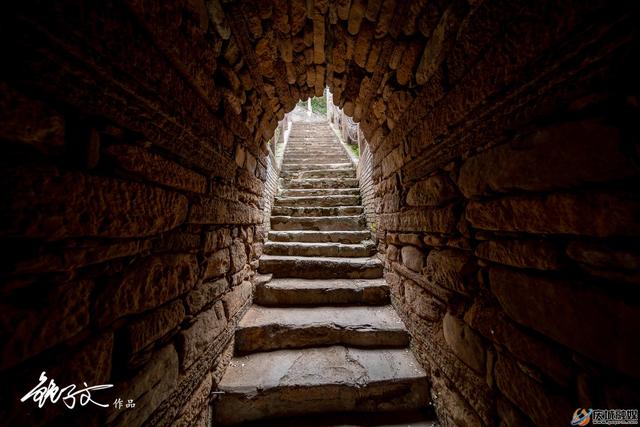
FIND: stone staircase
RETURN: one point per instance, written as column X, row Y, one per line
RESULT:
column 322, row 337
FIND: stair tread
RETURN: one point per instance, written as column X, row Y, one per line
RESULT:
column 335, row 365
column 312, row 236
column 365, row 318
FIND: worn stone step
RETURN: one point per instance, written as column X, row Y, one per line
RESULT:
column 319, row 380
column 303, row 192
column 319, row 236
column 321, row 267
column 275, row 328
column 367, row 248
column 423, row 417
column 316, row 210
column 291, row 167
column 321, row 183
column 304, row 292
column 346, row 200
column 320, row 223
column 321, row 173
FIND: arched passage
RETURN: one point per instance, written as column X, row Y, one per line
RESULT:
column 503, row 157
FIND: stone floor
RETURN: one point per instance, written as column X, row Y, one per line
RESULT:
column 322, row 337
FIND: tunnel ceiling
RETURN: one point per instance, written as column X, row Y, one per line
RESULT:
column 417, row 74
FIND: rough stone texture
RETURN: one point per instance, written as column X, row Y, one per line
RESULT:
column 52, row 205
column 589, row 214
column 542, row 255
column 433, row 191
column 543, row 406
column 154, row 326
column 218, row 264
column 279, row 292
column 27, row 331
column 320, row 267
column 203, row 294
column 264, row 329
column 541, row 303
column 528, row 109
column 152, row 167
column 145, row 285
column 551, row 157
column 464, row 342
column 336, row 377
column 413, row 258
column 153, row 384
column 207, row 326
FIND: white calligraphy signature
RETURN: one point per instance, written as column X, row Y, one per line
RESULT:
column 41, row 393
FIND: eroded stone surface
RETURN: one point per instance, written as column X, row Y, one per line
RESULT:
column 333, row 378
column 263, row 329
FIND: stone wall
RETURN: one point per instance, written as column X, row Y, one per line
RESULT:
column 132, row 204
column 503, row 147
column 370, row 201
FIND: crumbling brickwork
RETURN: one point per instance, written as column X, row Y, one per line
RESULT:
column 504, row 156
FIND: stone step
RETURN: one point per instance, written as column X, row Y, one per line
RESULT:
column 412, row 418
column 319, row 223
column 291, row 167
column 319, row 380
column 321, row 267
column 280, row 210
column 275, row 328
column 304, row 192
column 319, row 236
column 346, row 200
column 321, row 173
column 302, row 292
column 321, row 183
column 320, row 249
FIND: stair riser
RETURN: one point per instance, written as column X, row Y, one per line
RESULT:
column 321, row 183
column 298, row 211
column 302, row 192
column 274, row 297
column 328, row 201
column 396, row 395
column 294, row 167
column 331, row 251
column 280, row 337
column 317, row 223
column 326, row 270
column 345, row 173
column 311, row 237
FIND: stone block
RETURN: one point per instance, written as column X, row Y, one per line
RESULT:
column 490, row 321
column 464, row 342
column 194, row 341
column 150, row 386
column 548, row 305
column 31, row 327
column 602, row 255
column 538, row 402
column 450, row 269
column 154, row 326
column 559, row 156
column 538, row 254
column 143, row 164
column 146, row 284
column 52, row 205
column 217, row 239
column 190, row 413
column 218, row 264
column 236, row 299
column 431, row 220
column 238, row 256
column 204, row 293
column 590, row 214
column 421, row 302
column 433, row 191
column 413, row 258
column 214, row 210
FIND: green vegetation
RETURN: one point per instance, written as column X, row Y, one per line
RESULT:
column 354, row 149
column 319, row 105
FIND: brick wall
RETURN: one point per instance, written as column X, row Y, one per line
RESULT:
column 367, row 188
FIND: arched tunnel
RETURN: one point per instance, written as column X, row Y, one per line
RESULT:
column 497, row 178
